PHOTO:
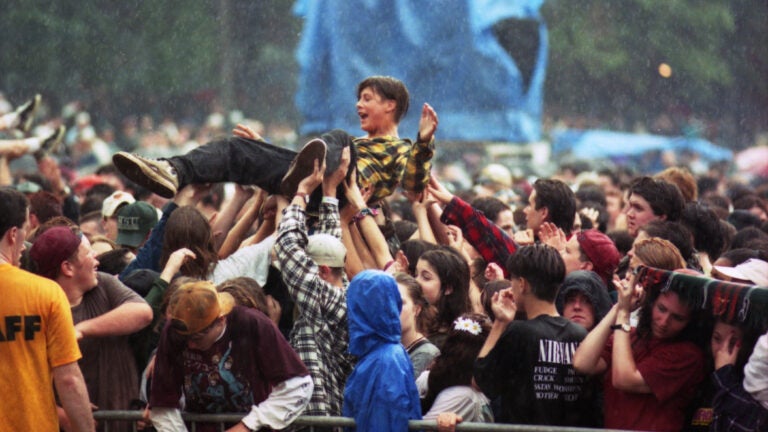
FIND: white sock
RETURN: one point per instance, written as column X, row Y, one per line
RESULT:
column 33, row 143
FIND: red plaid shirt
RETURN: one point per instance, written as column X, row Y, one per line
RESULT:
column 493, row 244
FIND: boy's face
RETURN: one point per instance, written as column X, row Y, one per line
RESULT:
column 376, row 113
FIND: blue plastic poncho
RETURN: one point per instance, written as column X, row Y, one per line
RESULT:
column 381, row 393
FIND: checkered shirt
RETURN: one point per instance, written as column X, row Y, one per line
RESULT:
column 385, row 162
column 320, row 334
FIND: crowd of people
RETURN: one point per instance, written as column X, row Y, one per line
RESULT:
column 356, row 277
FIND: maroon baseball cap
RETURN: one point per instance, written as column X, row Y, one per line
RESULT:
column 52, row 248
column 601, row 251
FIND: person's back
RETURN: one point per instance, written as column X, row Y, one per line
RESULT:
column 528, row 364
column 381, row 393
column 37, row 335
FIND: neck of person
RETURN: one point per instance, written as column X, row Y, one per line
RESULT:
column 384, row 132
column 410, row 337
column 535, row 307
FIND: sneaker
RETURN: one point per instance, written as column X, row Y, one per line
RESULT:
column 157, row 175
column 26, row 113
column 302, row 166
column 50, row 144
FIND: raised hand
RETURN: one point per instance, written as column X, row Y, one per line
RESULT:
column 309, row 183
column 427, row 123
column 245, row 131
column 504, row 306
column 331, row 182
column 551, row 235
column 493, row 272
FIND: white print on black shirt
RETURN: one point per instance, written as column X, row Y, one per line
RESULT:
column 554, row 377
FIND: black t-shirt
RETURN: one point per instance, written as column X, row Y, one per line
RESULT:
column 531, row 370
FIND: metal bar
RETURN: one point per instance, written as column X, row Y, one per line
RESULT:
column 328, row 421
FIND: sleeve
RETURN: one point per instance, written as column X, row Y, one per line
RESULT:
column 731, row 400
column 491, row 371
column 493, row 244
column 62, row 346
column 458, row 399
column 148, row 256
column 251, row 261
column 117, row 292
column 286, row 401
column 330, row 221
column 756, row 372
column 670, row 369
column 299, row 272
column 167, row 420
column 418, row 166
column 168, row 376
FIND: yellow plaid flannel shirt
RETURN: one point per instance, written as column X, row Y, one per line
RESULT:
column 385, row 162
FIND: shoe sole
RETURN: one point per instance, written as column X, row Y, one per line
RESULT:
column 302, row 166
column 138, row 172
column 26, row 123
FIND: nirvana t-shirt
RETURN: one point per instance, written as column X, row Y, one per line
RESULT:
column 531, row 370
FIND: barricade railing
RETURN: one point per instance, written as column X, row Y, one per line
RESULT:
column 322, row 422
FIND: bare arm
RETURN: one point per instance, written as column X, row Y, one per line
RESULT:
column 123, row 320
column 587, row 359
column 226, row 217
column 624, row 373
column 237, row 234
column 73, row 394
column 370, row 234
column 504, row 307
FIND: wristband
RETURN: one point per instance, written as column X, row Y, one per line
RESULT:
column 303, row 196
column 363, row 213
column 330, row 200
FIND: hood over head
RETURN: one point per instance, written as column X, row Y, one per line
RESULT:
column 589, row 283
column 373, row 311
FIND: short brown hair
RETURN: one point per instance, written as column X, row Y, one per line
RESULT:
column 389, row 88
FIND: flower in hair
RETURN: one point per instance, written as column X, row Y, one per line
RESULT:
column 468, row 325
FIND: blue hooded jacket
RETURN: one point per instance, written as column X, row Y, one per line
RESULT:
column 381, row 393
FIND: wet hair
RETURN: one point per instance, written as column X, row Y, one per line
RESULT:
column 559, row 199
column 486, row 295
column 591, row 193
column 677, row 233
column 45, row 206
column 453, row 366
column 542, row 266
column 246, row 292
column 490, row 206
column 659, row 253
column 622, row 240
column 14, row 209
column 388, row 88
column 683, row 179
column 404, row 229
column 114, row 261
column 694, row 331
column 704, row 224
column 745, row 236
column 453, row 271
column 188, row 228
column 738, row 256
column 413, row 250
column 664, row 197
column 426, row 318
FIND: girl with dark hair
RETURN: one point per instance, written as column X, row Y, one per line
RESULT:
column 416, row 318
column 188, row 228
column 448, row 385
column 444, row 278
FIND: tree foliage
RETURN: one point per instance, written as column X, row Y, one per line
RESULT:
column 168, row 57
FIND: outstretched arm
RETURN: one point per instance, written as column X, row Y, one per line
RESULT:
column 419, row 164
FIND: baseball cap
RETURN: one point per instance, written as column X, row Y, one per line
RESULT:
column 114, row 201
column 195, row 305
column 325, row 249
column 496, row 173
column 601, row 251
column 753, row 270
column 134, row 222
column 52, row 248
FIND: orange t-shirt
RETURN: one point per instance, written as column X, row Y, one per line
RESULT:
column 36, row 335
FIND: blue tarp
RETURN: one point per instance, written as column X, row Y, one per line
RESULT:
column 444, row 51
column 596, row 144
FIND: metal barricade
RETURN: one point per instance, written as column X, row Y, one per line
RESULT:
column 312, row 422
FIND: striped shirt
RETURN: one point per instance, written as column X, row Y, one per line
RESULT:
column 320, row 335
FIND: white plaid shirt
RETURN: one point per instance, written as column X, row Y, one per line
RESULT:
column 320, row 334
